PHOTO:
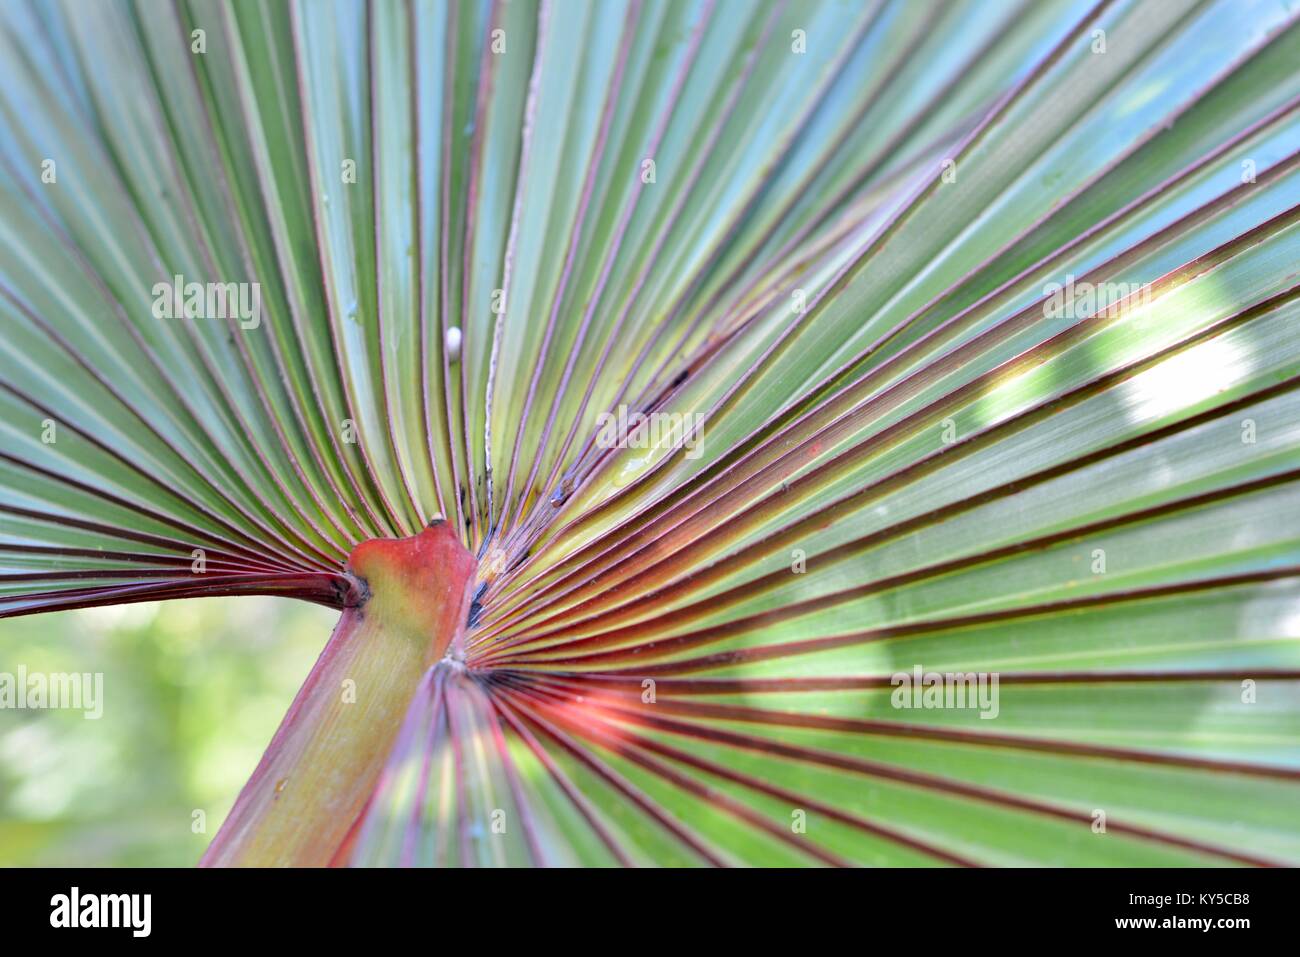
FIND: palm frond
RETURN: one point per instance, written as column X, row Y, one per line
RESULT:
column 975, row 323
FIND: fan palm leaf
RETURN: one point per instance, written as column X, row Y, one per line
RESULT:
column 963, row 340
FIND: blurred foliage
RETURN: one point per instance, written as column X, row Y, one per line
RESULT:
column 192, row 690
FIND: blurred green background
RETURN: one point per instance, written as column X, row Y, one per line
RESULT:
column 193, row 691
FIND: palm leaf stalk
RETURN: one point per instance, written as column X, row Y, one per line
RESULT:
column 655, row 386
